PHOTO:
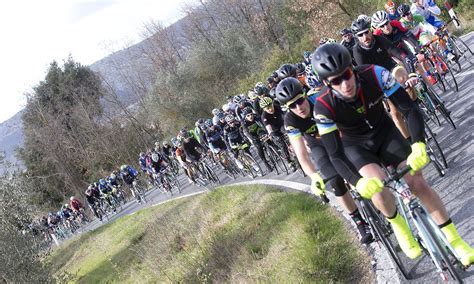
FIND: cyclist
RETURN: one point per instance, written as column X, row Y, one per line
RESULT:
column 234, row 136
column 253, row 130
column 286, row 70
column 348, row 41
column 214, row 137
column 306, row 58
column 219, row 119
column 272, row 119
column 254, row 100
column 351, row 105
column 129, row 175
column 429, row 11
column 373, row 49
column 392, row 11
column 325, row 40
column 242, row 104
column 157, row 164
column 181, row 157
column 192, row 148
column 198, row 132
column 92, row 201
column 302, row 131
column 397, row 35
column 167, row 150
column 106, row 191
column 75, row 204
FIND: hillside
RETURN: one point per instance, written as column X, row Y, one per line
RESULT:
column 11, row 137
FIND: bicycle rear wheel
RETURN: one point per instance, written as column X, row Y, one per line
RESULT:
column 382, row 232
column 280, row 162
column 433, row 142
column 439, row 251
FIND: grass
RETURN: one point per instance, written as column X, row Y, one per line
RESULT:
column 233, row 234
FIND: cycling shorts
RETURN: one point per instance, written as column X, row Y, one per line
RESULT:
column 217, row 146
column 388, row 148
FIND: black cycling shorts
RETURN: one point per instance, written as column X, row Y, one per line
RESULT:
column 389, row 148
column 324, row 165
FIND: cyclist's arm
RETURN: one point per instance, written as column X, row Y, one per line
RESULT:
column 331, row 139
column 402, row 101
column 297, row 142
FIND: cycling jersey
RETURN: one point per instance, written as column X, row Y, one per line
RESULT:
column 365, row 120
column 167, row 150
column 275, row 120
column 349, row 45
column 429, row 11
column 180, row 155
column 190, row 149
column 75, row 205
column 394, row 16
column 233, row 133
column 423, row 31
column 253, row 129
column 296, row 126
column 379, row 53
column 142, row 163
column 129, row 175
column 239, row 109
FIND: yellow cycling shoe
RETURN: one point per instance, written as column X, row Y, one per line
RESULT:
column 405, row 238
column 465, row 251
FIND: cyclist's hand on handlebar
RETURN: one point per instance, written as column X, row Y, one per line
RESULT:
column 418, row 158
column 367, row 187
column 411, row 82
column 317, row 184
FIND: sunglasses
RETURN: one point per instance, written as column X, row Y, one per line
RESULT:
column 344, row 77
column 249, row 115
column 298, row 102
column 407, row 14
column 384, row 25
column 363, row 33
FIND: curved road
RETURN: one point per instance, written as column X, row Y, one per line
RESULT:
column 455, row 188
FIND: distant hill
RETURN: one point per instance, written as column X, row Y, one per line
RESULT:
column 118, row 69
column 11, row 137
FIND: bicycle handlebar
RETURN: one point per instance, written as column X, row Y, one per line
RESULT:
column 397, row 175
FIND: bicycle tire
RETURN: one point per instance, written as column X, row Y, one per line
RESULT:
column 447, row 72
column 211, row 175
column 279, row 160
column 431, row 137
column 270, row 158
column 441, row 251
column 253, row 163
column 434, row 70
column 441, row 107
column 459, row 42
column 382, row 230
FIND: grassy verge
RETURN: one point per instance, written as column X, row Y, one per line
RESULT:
column 238, row 234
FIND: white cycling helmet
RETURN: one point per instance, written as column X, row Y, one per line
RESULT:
column 379, row 18
column 154, row 157
column 215, row 111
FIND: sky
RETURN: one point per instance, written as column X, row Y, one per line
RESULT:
column 34, row 33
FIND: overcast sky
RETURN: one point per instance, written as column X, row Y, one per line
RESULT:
column 34, row 33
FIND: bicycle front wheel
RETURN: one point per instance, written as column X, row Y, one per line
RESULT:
column 436, row 250
column 383, row 232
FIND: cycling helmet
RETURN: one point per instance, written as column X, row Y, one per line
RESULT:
column 184, row 134
column 220, row 116
column 229, row 118
column 364, row 17
column 325, row 40
column 208, row 122
column 66, row 205
column 345, row 31
column 157, row 144
column 403, row 10
column 261, row 90
column 286, row 70
column 113, row 176
column 330, row 60
column 287, row 89
column 306, row 54
column 226, row 107
column 238, row 99
column 247, row 110
column 379, row 18
column 265, row 102
column 102, row 181
column 166, row 144
column 360, row 26
column 259, row 84
column 90, row 186
column 71, row 198
column 88, row 192
column 196, row 124
column 252, row 94
column 123, row 167
column 215, row 111
column 313, row 80
column 389, row 5
column 142, row 155
column 155, row 157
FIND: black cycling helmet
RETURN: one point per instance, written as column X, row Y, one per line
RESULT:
column 330, row 59
column 345, row 31
column 360, row 25
column 247, row 110
column 286, row 70
column 288, row 89
column 403, row 10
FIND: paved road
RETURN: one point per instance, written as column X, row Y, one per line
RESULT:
column 455, row 189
